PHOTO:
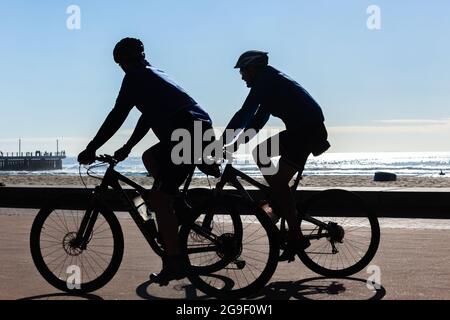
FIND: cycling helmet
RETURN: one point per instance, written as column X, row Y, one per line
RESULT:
column 128, row 49
column 252, row 58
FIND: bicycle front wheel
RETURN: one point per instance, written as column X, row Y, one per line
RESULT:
column 239, row 253
column 71, row 268
column 344, row 233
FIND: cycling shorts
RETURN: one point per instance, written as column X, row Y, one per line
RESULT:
column 294, row 147
column 172, row 172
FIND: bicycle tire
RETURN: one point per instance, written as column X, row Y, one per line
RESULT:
column 335, row 200
column 39, row 224
column 268, row 245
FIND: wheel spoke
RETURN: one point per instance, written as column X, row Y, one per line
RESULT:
column 348, row 211
column 55, row 233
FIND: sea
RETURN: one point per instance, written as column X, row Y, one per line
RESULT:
column 419, row 164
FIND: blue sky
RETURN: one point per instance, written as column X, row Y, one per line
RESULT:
column 380, row 90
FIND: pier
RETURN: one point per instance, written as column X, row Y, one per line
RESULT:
column 29, row 161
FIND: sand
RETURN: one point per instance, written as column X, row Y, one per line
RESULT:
column 307, row 181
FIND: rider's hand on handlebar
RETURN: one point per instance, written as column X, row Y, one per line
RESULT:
column 122, row 153
column 86, row 156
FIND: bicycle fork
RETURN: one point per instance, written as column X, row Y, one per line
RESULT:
column 87, row 223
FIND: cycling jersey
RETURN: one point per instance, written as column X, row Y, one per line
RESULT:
column 275, row 93
column 155, row 95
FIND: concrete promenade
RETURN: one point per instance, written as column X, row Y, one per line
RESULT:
column 414, row 260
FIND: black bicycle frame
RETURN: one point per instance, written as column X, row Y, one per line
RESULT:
column 230, row 175
column 112, row 179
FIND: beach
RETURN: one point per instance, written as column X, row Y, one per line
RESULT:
column 325, row 181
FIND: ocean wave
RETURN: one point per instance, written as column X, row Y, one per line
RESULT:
column 404, row 164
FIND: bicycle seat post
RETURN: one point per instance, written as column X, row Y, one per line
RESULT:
column 188, row 182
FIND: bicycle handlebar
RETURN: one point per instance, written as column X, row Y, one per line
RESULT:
column 111, row 161
column 107, row 159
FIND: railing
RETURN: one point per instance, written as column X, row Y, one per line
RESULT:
column 38, row 153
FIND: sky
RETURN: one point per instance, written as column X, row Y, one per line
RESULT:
column 383, row 89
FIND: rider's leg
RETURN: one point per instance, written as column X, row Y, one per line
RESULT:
column 278, row 178
column 162, row 203
column 282, row 197
column 170, row 177
column 174, row 265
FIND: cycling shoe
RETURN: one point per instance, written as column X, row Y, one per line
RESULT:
column 165, row 276
column 174, row 268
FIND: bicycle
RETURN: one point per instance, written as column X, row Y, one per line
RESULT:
column 344, row 232
column 211, row 233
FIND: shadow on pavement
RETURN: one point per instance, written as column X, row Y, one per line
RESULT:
column 63, row 296
column 317, row 288
column 322, row 288
column 181, row 291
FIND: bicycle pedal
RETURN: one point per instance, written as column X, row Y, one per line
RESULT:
column 287, row 256
column 154, row 278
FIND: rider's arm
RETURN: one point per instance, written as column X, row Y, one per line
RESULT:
column 142, row 128
column 259, row 120
column 241, row 118
column 112, row 123
column 115, row 118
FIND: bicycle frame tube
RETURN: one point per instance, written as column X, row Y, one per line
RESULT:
column 230, row 175
column 307, row 217
column 111, row 179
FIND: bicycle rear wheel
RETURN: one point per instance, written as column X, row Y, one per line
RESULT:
column 245, row 254
column 70, row 268
column 347, row 237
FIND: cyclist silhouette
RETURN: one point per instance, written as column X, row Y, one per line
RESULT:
column 274, row 93
column 165, row 107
